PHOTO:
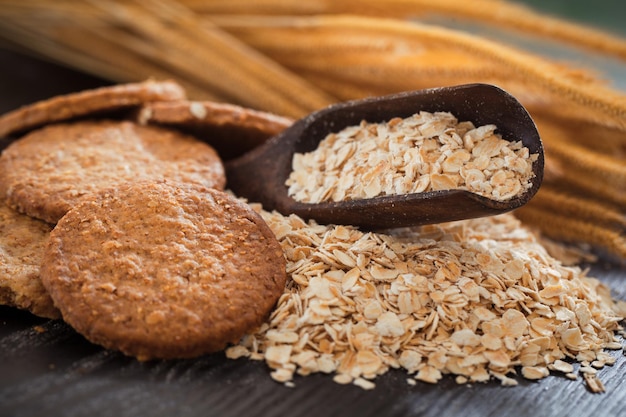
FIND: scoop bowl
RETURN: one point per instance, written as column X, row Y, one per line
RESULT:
column 260, row 174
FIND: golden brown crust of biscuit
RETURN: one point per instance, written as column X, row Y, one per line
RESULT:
column 47, row 171
column 163, row 270
column 231, row 129
column 22, row 243
column 88, row 102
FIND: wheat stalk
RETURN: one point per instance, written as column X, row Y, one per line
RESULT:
column 296, row 57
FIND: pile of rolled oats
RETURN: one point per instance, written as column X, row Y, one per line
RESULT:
column 424, row 152
column 476, row 299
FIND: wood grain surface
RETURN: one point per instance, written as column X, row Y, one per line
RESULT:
column 47, row 369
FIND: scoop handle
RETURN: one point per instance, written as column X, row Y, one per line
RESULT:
column 260, row 174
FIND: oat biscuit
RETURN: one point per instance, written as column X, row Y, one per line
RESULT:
column 89, row 102
column 22, row 243
column 47, row 171
column 231, row 129
column 163, row 269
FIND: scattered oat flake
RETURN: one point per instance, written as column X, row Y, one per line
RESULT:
column 465, row 337
column 278, row 354
column 588, row 370
column 429, row 374
column 282, row 375
column 535, row 372
column 236, row 352
column 562, row 366
column 343, row 379
column 364, row 383
column 593, row 383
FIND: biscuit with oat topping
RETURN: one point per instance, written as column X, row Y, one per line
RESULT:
column 22, row 243
column 47, row 171
column 232, row 130
column 88, row 103
column 163, row 269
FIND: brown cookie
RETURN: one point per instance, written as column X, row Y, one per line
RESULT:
column 47, row 171
column 232, row 130
column 163, row 269
column 87, row 103
column 22, row 243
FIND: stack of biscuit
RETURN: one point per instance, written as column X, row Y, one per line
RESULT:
column 114, row 218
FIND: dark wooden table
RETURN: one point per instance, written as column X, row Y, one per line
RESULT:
column 46, row 369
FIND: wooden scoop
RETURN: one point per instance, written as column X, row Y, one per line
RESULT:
column 260, row 174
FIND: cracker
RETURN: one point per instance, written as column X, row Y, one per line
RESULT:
column 88, row 102
column 47, row 171
column 231, row 129
column 22, row 243
column 163, row 269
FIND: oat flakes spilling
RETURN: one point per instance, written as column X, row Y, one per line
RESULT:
column 476, row 299
column 424, row 152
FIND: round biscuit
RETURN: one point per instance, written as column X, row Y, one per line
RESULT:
column 86, row 103
column 22, row 243
column 163, row 269
column 47, row 171
column 232, row 130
